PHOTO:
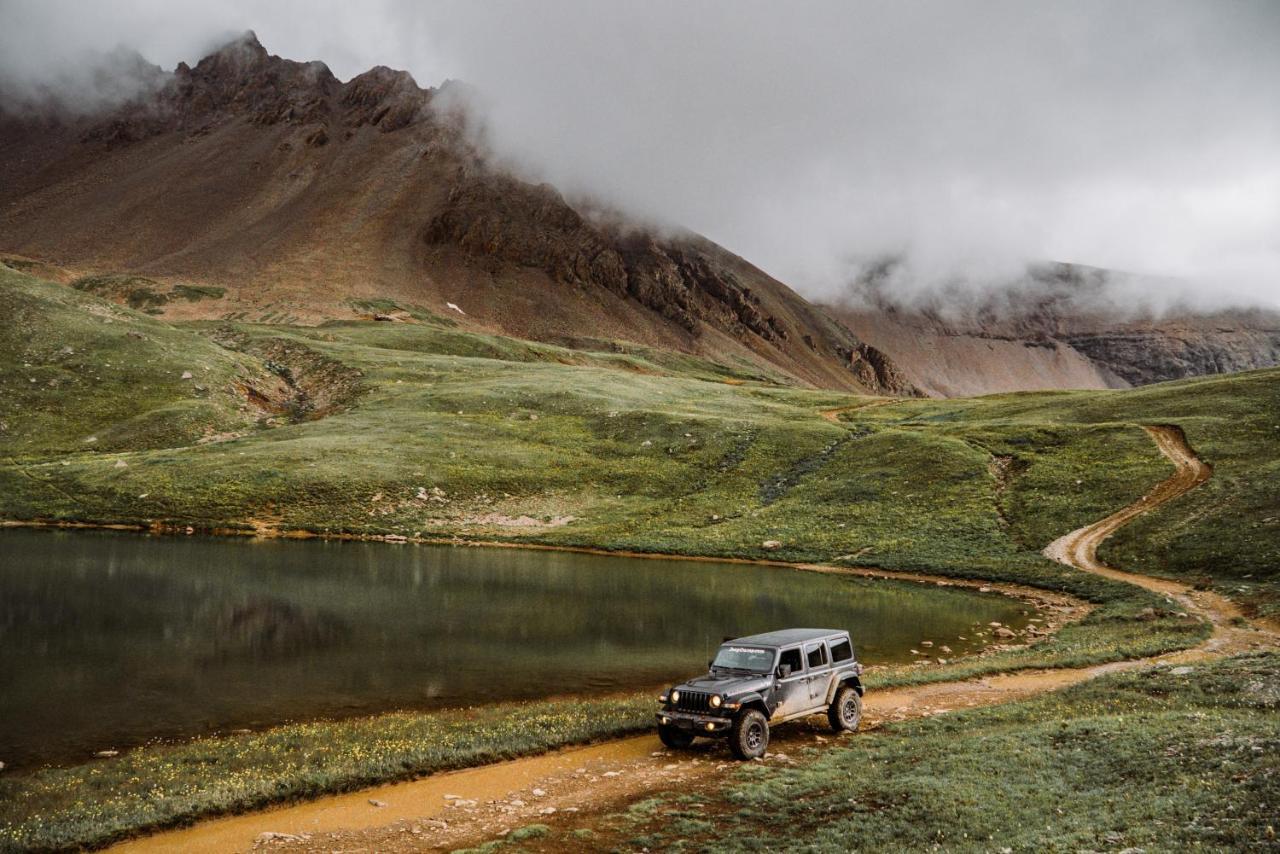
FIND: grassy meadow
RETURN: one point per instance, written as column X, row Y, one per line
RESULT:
column 366, row 428
column 437, row 433
column 1158, row 760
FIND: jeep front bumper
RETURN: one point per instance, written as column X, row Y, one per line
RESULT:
column 695, row 723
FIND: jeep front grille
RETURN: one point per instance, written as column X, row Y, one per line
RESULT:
column 694, row 701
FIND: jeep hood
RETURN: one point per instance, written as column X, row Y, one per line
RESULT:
column 731, row 685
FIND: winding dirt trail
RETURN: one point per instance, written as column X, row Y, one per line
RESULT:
column 1080, row 549
column 446, row 811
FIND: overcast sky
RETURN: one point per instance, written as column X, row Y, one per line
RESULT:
column 970, row 136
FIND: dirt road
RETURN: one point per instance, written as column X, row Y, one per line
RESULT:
column 446, row 811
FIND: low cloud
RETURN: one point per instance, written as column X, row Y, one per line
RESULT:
column 968, row 139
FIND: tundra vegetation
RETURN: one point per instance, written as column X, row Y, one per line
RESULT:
column 1173, row 758
column 417, row 429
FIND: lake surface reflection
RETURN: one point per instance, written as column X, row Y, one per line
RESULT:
column 109, row 640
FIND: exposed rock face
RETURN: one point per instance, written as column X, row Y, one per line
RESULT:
column 297, row 193
column 241, row 79
column 1141, row 357
column 535, row 227
column 1063, row 326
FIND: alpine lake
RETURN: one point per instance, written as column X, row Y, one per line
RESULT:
column 110, row 640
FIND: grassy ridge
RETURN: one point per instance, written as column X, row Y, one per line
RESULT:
column 1162, row 760
column 82, row 375
column 1085, row 459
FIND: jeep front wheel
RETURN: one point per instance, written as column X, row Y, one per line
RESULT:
column 845, row 711
column 674, row 737
column 749, row 737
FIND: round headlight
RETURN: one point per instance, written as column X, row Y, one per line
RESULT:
column 716, row 701
column 675, row 696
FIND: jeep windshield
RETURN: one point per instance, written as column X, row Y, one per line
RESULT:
column 749, row 658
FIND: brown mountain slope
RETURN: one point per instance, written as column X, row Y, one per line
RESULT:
column 301, row 196
column 1060, row 326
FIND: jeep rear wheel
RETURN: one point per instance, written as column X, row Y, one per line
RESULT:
column 674, row 737
column 845, row 711
column 749, row 737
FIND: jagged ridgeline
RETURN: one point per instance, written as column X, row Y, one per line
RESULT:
column 302, row 197
column 255, row 188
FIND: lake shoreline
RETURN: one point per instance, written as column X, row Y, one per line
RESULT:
column 240, row 607
column 1038, row 597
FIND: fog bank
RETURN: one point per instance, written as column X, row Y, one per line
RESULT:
column 812, row 139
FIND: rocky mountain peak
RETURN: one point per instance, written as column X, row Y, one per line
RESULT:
column 271, row 150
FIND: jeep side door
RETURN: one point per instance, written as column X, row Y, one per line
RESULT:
column 793, row 692
column 819, row 678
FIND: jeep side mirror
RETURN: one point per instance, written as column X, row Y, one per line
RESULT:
column 784, row 670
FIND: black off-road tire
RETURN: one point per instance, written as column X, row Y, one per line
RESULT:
column 749, row 738
column 674, row 737
column 845, row 711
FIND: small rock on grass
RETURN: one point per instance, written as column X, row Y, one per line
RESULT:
column 374, row 802
column 771, row 545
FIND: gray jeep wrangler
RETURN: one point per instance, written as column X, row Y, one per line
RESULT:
column 766, row 679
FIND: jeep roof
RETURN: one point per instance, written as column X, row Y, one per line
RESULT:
column 785, row 637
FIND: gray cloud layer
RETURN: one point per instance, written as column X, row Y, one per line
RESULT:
column 1140, row 135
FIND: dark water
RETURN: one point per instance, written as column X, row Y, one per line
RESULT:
column 110, row 640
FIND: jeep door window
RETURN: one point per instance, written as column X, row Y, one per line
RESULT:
column 791, row 658
column 748, row 658
column 841, row 650
column 819, row 673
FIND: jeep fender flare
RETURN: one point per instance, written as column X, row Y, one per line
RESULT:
column 851, row 681
column 755, row 701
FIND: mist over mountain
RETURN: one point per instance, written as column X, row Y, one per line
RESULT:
column 299, row 198
column 1053, row 326
column 970, row 140
column 304, row 198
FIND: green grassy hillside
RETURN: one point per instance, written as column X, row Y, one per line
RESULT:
column 82, row 375
column 1075, row 456
column 417, row 429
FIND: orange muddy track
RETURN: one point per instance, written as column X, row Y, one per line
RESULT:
column 445, row 811
column 1080, row 547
